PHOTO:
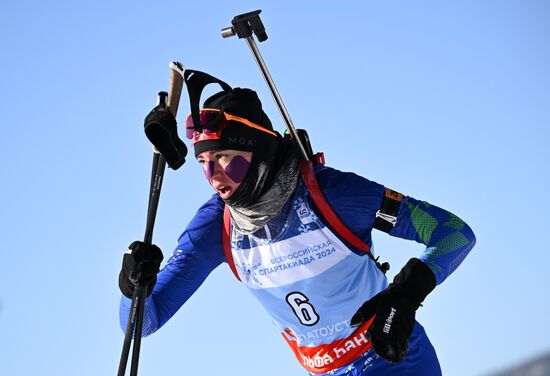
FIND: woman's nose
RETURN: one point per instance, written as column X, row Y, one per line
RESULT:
column 210, row 169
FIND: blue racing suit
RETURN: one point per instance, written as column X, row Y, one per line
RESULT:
column 307, row 278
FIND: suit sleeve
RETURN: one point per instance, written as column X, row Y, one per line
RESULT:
column 448, row 239
column 198, row 253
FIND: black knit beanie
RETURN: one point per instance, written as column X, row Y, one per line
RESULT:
column 242, row 103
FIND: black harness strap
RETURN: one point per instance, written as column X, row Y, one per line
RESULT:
column 386, row 217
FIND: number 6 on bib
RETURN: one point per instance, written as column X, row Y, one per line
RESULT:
column 302, row 308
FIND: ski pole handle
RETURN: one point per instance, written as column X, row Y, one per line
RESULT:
column 176, row 84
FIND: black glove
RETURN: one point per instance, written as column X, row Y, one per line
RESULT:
column 161, row 130
column 395, row 308
column 140, row 266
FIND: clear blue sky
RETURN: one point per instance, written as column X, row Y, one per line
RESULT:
column 446, row 101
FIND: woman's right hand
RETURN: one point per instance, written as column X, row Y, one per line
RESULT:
column 140, row 266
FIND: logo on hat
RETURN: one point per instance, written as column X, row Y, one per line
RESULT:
column 241, row 141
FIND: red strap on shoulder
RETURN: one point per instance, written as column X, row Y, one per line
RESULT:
column 226, row 239
column 306, row 168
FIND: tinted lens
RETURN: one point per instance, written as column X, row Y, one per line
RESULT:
column 212, row 121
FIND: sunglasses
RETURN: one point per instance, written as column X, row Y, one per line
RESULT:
column 213, row 121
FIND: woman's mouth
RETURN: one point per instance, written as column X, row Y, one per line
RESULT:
column 224, row 191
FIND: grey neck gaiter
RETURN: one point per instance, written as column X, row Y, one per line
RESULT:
column 249, row 218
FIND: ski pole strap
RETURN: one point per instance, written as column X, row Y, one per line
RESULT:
column 306, row 168
column 386, row 217
column 226, row 240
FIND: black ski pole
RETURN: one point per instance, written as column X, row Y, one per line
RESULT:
column 156, row 184
column 244, row 26
column 135, row 319
column 136, row 310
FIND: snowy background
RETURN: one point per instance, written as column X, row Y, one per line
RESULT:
column 446, row 101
